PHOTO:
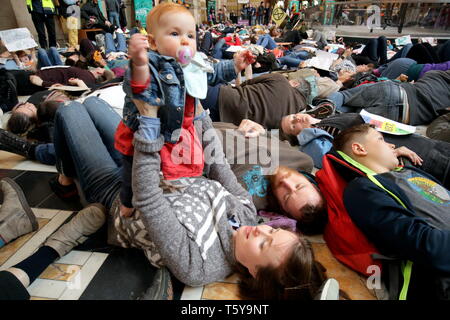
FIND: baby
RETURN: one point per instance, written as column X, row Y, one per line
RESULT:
column 168, row 81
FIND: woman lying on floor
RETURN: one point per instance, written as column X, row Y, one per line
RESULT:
column 201, row 229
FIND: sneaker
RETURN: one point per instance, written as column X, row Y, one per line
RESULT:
column 63, row 192
column 161, row 289
column 322, row 110
column 16, row 216
column 329, row 290
column 13, row 143
column 73, row 233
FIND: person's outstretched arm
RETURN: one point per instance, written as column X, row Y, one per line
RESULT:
column 176, row 245
column 178, row 251
column 217, row 166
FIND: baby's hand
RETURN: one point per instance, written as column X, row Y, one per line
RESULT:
column 145, row 109
column 138, row 48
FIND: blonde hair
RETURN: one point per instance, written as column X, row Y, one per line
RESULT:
column 155, row 14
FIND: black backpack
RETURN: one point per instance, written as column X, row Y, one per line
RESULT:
column 8, row 90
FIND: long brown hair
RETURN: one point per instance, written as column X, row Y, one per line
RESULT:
column 299, row 277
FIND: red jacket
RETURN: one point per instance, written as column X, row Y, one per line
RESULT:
column 180, row 160
column 233, row 41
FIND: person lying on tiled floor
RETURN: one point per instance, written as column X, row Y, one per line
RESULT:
column 315, row 138
column 402, row 211
column 167, row 232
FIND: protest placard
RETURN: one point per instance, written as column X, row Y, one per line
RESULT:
column 386, row 125
column 17, row 39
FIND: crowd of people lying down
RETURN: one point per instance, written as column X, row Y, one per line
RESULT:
column 154, row 128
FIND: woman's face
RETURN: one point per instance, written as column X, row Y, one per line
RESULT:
column 26, row 108
column 261, row 246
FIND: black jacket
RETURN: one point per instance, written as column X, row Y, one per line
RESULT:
column 91, row 9
column 395, row 229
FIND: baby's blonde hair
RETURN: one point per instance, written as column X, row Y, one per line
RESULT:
column 155, row 14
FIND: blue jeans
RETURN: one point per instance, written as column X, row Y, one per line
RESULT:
column 84, row 146
column 45, row 153
column 293, row 59
column 395, row 68
column 48, row 58
column 267, row 42
column 217, row 50
column 114, row 18
column 110, row 45
column 402, row 53
column 381, row 98
column 376, row 49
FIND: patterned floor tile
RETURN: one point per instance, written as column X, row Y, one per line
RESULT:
column 349, row 281
column 75, row 257
column 81, row 280
column 234, row 278
column 221, row 291
column 192, row 293
column 50, row 289
column 45, row 213
column 60, row 272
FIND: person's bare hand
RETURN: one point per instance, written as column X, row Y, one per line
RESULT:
column 36, row 80
column 402, row 78
column 251, row 129
column 302, row 64
column 138, row 48
column 411, row 155
column 242, row 59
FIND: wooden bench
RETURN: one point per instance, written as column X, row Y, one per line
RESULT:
column 83, row 33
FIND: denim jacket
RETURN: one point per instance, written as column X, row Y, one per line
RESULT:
column 167, row 88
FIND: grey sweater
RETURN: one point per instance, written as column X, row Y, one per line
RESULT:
column 190, row 227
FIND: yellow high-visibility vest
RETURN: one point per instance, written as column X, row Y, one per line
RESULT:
column 47, row 5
